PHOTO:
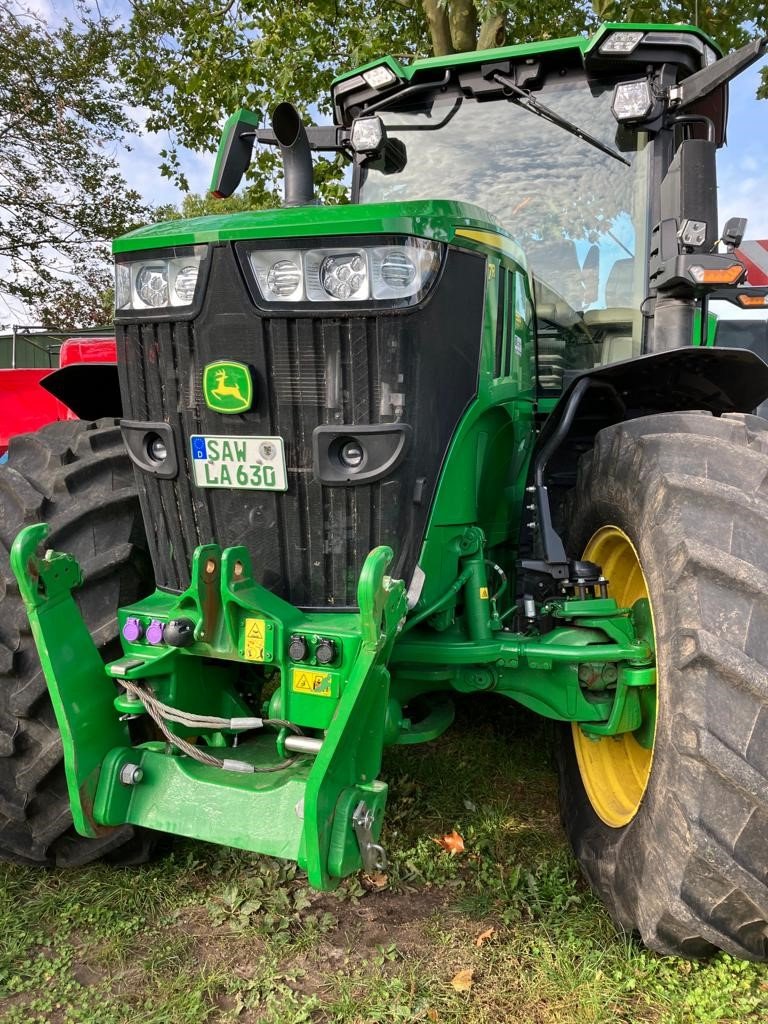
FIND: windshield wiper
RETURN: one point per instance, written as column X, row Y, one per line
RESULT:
column 525, row 99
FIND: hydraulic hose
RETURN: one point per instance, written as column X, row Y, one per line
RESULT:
column 161, row 713
column 454, row 588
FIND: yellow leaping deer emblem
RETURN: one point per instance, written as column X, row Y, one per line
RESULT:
column 224, row 390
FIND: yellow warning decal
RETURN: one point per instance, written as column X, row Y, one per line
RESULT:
column 483, row 593
column 306, row 680
column 255, row 631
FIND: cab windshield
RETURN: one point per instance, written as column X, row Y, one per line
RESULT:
column 579, row 214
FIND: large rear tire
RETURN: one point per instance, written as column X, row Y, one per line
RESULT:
column 77, row 477
column 686, row 864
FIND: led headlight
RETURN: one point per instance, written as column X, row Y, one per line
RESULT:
column 341, row 275
column 368, row 134
column 152, row 284
column 122, row 285
column 632, row 101
column 380, row 77
column 621, row 42
column 156, row 283
column 400, row 270
column 185, row 283
column 279, row 274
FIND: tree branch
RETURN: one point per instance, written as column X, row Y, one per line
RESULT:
column 439, row 28
column 493, row 32
column 462, row 18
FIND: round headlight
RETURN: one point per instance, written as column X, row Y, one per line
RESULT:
column 397, row 269
column 344, row 275
column 351, row 454
column 284, row 278
column 184, row 285
column 156, row 449
column 152, row 284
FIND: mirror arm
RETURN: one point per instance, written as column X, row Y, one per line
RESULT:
column 323, row 138
column 703, row 82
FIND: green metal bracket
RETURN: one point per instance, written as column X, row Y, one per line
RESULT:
column 352, row 749
column 626, row 711
column 80, row 693
column 304, row 810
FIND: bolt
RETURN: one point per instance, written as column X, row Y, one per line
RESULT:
column 589, row 674
column 239, row 570
column 531, row 525
column 210, row 567
column 131, row 774
column 610, row 673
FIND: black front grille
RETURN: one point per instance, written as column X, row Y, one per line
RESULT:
column 309, row 543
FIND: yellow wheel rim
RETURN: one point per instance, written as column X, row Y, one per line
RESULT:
column 615, row 769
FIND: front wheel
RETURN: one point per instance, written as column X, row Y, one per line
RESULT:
column 77, row 477
column 670, row 823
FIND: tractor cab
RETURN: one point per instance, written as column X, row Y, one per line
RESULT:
column 596, row 156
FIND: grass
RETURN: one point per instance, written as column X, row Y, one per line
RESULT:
column 215, row 936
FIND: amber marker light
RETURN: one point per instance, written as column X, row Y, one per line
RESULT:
column 717, row 275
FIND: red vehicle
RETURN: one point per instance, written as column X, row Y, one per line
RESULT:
column 84, row 386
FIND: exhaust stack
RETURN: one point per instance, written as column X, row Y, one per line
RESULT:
column 297, row 159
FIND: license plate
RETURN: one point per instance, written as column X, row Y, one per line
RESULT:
column 246, row 463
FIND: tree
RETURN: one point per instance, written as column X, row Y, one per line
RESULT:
column 61, row 194
column 67, row 303
column 191, row 64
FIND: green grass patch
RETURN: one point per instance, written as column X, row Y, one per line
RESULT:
column 215, row 935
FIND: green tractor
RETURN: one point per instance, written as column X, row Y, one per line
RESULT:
column 406, row 447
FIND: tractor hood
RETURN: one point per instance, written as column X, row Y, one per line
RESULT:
column 437, row 219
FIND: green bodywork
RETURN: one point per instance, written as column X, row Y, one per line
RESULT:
column 582, row 44
column 393, row 667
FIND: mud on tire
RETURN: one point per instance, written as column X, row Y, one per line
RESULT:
column 76, row 477
column 690, row 870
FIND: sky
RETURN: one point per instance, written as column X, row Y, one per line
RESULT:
column 742, row 163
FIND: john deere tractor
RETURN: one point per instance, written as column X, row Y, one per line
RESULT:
column 456, row 436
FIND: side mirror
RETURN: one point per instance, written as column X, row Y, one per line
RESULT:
column 392, row 158
column 733, row 232
column 234, row 153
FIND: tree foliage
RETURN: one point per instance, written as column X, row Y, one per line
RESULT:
column 70, row 302
column 61, row 194
column 190, row 64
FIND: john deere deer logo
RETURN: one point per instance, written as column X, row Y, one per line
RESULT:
column 227, row 387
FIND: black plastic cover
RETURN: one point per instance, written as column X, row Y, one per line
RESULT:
column 90, row 390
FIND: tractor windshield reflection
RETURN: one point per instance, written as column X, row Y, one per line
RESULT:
column 580, row 216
